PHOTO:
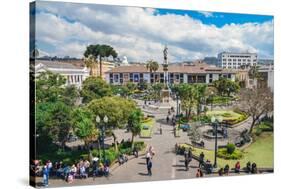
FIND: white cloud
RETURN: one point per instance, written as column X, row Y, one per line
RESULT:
column 206, row 14
column 140, row 34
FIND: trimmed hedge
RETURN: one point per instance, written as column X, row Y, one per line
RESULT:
column 223, row 153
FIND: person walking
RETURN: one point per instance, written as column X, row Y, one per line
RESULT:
column 160, row 129
column 45, row 176
column 201, row 159
column 148, row 157
column 149, row 166
column 167, row 118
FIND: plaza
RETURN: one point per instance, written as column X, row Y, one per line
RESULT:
column 137, row 107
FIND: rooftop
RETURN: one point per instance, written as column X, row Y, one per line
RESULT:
column 175, row 68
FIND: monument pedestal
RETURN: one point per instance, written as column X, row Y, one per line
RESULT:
column 165, row 96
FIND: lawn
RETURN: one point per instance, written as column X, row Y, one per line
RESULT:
column 147, row 128
column 226, row 114
column 221, row 100
column 260, row 152
column 230, row 117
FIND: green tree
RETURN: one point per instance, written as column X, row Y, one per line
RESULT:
column 49, row 87
column 131, row 87
column 57, row 123
column 117, row 110
column 134, row 124
column 121, row 90
column 200, row 96
column 226, row 86
column 156, row 90
column 142, row 85
column 100, row 52
column 90, row 62
column 187, row 94
column 84, row 128
column 70, row 95
column 95, row 87
column 152, row 66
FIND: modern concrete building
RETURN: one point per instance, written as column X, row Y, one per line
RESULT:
column 177, row 73
column 75, row 75
column 236, row 60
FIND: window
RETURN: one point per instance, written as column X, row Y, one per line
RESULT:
column 116, row 78
column 131, row 77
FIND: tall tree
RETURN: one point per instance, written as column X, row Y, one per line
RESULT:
column 94, row 87
column 134, row 124
column 100, row 52
column 200, row 94
column 84, row 127
column 90, row 62
column 152, row 66
column 59, row 125
column 226, row 86
column 49, row 87
column 256, row 102
column 117, row 109
column 70, row 95
column 187, row 94
column 131, row 87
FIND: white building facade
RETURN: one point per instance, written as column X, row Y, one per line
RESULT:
column 236, row 60
column 74, row 75
column 176, row 74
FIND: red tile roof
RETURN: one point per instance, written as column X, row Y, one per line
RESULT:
column 176, row 68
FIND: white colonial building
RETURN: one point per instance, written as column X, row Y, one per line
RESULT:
column 177, row 73
column 236, row 60
column 74, row 75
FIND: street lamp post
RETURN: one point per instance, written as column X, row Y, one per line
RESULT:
column 105, row 120
column 177, row 94
column 98, row 122
column 216, row 121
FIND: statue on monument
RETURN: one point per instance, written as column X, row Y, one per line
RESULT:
column 165, row 52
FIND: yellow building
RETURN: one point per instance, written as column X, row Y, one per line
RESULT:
column 106, row 66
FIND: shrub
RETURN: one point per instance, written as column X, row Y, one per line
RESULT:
column 139, row 145
column 230, row 147
column 111, row 155
column 236, row 154
column 226, row 114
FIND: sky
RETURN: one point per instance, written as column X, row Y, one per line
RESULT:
column 140, row 34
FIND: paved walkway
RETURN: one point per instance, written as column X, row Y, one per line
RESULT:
column 166, row 164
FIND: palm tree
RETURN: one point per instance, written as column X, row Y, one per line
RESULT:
column 134, row 124
column 90, row 62
column 152, row 66
column 254, row 73
column 200, row 93
column 100, row 52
